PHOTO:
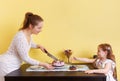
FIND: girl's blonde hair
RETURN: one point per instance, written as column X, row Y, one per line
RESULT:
column 107, row 47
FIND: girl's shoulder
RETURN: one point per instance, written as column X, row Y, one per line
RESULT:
column 106, row 61
column 110, row 61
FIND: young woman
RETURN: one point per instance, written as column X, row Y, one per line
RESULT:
column 105, row 62
column 20, row 46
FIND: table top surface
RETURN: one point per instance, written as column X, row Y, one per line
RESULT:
column 22, row 73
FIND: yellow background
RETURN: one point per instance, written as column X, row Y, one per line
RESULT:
column 79, row 25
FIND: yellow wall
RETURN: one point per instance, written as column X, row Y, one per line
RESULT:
column 76, row 24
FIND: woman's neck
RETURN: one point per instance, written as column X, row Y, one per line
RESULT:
column 27, row 32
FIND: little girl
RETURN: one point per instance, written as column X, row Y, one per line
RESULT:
column 105, row 62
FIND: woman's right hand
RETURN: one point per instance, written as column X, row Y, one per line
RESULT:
column 41, row 47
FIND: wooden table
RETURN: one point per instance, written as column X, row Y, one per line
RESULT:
column 22, row 75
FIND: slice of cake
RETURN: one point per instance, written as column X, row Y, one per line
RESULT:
column 72, row 67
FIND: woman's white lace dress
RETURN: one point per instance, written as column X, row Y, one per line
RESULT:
column 16, row 54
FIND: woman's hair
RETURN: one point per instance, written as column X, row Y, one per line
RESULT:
column 32, row 19
column 107, row 48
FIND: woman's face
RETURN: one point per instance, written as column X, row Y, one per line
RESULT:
column 101, row 53
column 37, row 28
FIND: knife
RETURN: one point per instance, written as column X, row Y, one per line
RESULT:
column 50, row 55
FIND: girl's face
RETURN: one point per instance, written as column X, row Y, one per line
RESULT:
column 101, row 53
column 36, row 29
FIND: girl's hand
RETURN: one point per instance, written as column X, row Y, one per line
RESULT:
column 89, row 71
column 75, row 58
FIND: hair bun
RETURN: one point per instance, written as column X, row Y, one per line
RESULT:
column 28, row 14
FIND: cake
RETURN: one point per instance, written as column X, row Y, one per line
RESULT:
column 58, row 63
column 72, row 67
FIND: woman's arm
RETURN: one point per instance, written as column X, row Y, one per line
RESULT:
column 21, row 47
column 37, row 46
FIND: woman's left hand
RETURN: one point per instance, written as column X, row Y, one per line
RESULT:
column 47, row 66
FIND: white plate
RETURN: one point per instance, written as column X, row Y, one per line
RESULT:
column 36, row 67
column 62, row 67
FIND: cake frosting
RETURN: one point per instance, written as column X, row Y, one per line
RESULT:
column 58, row 63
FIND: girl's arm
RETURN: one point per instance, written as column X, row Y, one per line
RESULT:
column 84, row 59
column 104, row 70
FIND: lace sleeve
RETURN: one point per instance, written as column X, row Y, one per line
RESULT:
column 33, row 45
column 22, row 48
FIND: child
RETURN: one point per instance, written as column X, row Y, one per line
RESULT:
column 105, row 62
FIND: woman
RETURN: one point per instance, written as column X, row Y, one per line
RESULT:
column 20, row 46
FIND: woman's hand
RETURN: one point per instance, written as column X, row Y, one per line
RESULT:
column 41, row 47
column 47, row 66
